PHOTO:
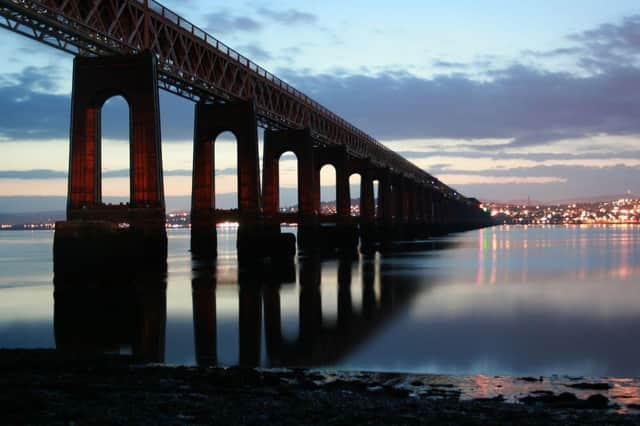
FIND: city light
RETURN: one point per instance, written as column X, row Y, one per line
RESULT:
column 623, row 210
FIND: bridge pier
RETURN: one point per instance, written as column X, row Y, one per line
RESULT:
column 254, row 240
column 300, row 142
column 339, row 236
column 367, row 210
column 135, row 230
column 384, row 223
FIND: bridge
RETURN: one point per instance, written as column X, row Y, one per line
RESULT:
column 133, row 48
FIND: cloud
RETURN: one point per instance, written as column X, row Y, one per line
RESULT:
column 27, row 111
column 256, row 53
column 289, row 16
column 31, row 109
column 610, row 45
column 225, row 23
column 559, row 52
column 448, row 64
column 525, row 105
column 59, row 174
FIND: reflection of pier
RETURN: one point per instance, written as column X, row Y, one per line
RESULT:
column 123, row 309
column 103, row 311
column 319, row 342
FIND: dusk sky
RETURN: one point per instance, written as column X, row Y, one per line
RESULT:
column 501, row 100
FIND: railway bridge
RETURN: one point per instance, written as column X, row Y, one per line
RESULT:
column 133, row 48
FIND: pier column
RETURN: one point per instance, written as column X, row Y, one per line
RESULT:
column 436, row 218
column 401, row 206
column 424, row 211
column 367, row 211
column 386, row 210
column 343, row 236
column 238, row 118
column 343, row 194
column 300, row 142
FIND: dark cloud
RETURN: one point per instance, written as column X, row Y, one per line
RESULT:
column 527, row 105
column 520, row 103
column 256, row 53
column 27, row 111
column 289, row 16
column 224, row 23
column 611, row 45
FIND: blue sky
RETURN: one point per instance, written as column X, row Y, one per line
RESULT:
column 501, row 100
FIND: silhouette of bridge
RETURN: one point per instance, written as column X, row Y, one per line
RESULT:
column 133, row 48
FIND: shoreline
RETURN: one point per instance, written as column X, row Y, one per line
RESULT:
column 47, row 387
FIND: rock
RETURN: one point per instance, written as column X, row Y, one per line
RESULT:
column 531, row 379
column 597, row 402
column 567, row 400
column 590, row 386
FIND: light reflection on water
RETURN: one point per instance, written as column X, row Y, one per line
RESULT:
column 499, row 301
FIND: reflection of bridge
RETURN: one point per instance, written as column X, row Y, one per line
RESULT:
column 132, row 48
column 105, row 311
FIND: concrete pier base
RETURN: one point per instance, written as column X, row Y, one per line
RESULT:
column 103, row 243
column 265, row 242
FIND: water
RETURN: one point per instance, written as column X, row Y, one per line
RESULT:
column 518, row 301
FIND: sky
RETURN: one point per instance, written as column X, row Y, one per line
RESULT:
column 501, row 100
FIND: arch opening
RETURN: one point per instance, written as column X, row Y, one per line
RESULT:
column 328, row 193
column 288, row 199
column 355, row 187
column 115, row 151
column 225, row 169
column 377, row 211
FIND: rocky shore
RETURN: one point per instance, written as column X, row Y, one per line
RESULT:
column 45, row 387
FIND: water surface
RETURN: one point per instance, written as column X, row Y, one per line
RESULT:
column 522, row 301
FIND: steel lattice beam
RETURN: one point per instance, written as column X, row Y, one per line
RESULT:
column 194, row 65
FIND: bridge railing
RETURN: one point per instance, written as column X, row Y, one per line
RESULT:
column 252, row 66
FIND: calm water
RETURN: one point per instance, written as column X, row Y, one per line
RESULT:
column 501, row 301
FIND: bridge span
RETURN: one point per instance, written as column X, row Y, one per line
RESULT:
column 133, row 48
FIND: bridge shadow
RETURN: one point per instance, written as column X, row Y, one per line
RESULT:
column 123, row 309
